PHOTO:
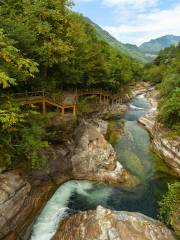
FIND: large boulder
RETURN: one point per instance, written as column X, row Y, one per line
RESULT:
column 104, row 224
column 94, row 158
column 14, row 191
column 19, row 204
column 113, row 110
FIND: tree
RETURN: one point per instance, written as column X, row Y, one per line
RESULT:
column 13, row 65
column 170, row 207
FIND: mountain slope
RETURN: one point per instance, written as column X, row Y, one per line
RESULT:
column 158, row 44
column 129, row 49
column 147, row 51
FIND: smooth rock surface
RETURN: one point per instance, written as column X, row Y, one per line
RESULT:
column 114, row 110
column 169, row 149
column 104, row 224
column 94, row 158
column 14, row 191
column 100, row 125
column 19, row 204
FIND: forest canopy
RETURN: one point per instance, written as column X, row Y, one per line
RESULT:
column 63, row 46
column 165, row 73
column 44, row 45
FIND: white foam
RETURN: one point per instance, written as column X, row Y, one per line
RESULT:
column 140, row 95
column 55, row 210
column 135, row 107
column 83, row 186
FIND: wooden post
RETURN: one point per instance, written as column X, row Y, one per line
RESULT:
column 62, row 111
column 74, row 110
column 107, row 99
column 44, row 105
column 100, row 98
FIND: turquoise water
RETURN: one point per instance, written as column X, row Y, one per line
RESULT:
column 133, row 150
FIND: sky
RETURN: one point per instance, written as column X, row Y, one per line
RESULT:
column 133, row 21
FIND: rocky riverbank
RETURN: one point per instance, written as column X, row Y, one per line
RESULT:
column 80, row 152
column 85, row 155
column 105, row 224
column 19, row 204
column 23, row 192
column 168, row 148
column 94, row 158
column 119, row 107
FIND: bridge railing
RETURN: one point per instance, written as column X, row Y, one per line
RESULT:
column 92, row 91
column 56, row 97
column 26, row 95
column 59, row 97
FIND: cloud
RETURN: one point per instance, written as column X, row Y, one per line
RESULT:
column 122, row 3
column 136, row 21
column 143, row 27
column 131, row 3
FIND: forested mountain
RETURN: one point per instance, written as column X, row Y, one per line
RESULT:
column 158, row 44
column 165, row 71
column 64, row 47
column 146, row 52
column 128, row 49
column 45, row 45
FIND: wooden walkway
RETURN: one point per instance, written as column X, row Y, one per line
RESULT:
column 44, row 98
column 104, row 97
column 65, row 101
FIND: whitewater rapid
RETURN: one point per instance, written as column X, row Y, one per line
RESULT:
column 133, row 152
column 57, row 208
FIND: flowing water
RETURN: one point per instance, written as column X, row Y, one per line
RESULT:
column 133, row 149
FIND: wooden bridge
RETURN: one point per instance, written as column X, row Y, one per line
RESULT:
column 64, row 102
column 44, row 98
column 104, row 96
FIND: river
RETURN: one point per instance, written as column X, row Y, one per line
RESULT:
column 133, row 149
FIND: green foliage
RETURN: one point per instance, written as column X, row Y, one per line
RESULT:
column 65, row 45
column 165, row 71
column 127, row 49
column 22, row 136
column 13, row 65
column 170, row 207
column 32, row 142
column 10, row 116
column 44, row 44
column 170, row 109
column 84, row 105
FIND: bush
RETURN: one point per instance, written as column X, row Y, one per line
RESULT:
column 169, row 113
column 170, row 207
column 22, row 136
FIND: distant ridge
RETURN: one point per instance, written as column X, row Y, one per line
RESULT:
column 129, row 49
column 146, row 52
column 155, row 45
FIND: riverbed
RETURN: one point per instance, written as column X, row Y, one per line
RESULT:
column 134, row 153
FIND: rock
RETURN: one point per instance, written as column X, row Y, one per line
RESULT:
column 11, row 236
column 2, row 169
column 168, row 149
column 139, row 88
column 104, row 224
column 100, row 125
column 94, row 158
column 114, row 110
column 19, row 204
column 14, row 191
